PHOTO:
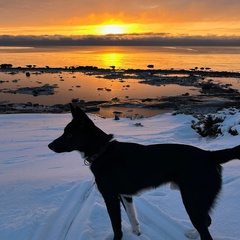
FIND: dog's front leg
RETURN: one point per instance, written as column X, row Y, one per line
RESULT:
column 128, row 204
column 113, row 207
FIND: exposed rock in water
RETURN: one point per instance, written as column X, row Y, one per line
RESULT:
column 35, row 91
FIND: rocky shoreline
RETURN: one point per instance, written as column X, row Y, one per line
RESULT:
column 211, row 98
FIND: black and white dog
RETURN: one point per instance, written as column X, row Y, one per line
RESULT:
column 122, row 169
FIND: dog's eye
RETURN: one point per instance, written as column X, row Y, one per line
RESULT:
column 69, row 135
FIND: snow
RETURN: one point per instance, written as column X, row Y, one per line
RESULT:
column 52, row 196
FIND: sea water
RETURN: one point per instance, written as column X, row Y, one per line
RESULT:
column 124, row 57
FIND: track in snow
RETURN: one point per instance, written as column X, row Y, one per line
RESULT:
column 60, row 225
column 83, row 216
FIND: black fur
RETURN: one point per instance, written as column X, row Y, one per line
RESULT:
column 126, row 168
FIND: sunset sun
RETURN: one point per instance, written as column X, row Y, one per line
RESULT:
column 113, row 29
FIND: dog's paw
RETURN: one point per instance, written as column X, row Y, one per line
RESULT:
column 136, row 230
column 192, row 234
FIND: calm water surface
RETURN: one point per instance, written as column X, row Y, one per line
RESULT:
column 79, row 85
column 217, row 58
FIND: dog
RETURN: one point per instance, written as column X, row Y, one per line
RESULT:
column 122, row 169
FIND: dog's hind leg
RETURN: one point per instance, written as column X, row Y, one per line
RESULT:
column 198, row 213
column 199, row 222
column 193, row 234
column 128, row 204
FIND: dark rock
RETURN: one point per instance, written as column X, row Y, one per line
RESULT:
column 116, row 117
column 75, row 100
column 35, row 93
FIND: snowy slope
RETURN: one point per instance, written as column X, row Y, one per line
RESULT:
column 52, row 196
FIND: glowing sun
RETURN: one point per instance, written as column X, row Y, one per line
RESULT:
column 113, row 29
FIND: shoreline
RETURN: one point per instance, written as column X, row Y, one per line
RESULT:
column 211, row 98
column 207, row 72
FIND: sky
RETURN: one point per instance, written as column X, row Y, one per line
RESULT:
column 171, row 18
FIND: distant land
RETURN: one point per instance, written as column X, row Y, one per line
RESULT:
column 148, row 39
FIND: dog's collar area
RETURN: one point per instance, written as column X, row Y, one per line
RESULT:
column 88, row 160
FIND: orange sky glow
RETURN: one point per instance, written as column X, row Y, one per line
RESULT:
column 92, row 17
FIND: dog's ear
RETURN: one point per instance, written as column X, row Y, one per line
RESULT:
column 73, row 110
column 79, row 115
column 83, row 118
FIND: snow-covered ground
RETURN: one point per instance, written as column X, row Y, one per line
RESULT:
column 44, row 195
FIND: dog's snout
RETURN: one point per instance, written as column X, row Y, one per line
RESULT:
column 56, row 147
column 50, row 146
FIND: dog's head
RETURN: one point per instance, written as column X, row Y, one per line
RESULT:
column 80, row 134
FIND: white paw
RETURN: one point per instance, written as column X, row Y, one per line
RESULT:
column 192, row 234
column 136, row 230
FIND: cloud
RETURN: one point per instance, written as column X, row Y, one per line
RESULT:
column 149, row 39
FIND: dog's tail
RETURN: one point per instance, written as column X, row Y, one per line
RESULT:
column 225, row 155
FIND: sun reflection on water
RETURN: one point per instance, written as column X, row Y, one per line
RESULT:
column 112, row 59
